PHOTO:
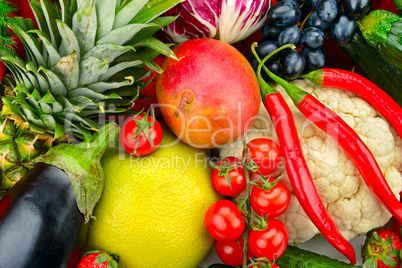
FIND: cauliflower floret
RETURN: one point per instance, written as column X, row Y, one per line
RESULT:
column 344, row 193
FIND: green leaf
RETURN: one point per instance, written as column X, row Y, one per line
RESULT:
column 112, row 264
column 121, row 35
column 387, row 260
column 154, row 9
column 101, row 87
column 108, row 51
column 87, row 177
column 102, row 258
column 370, row 262
column 157, row 45
column 56, row 85
column 68, row 70
column 65, row 13
column 69, row 42
column 48, row 98
column 128, row 12
column 51, row 13
column 85, row 25
column 40, row 17
column 54, row 56
column 86, row 92
column 158, row 24
column 106, row 10
column 30, row 44
column 118, row 68
column 91, row 69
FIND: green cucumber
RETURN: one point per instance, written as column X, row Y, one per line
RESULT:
column 383, row 30
column 295, row 257
column 377, row 69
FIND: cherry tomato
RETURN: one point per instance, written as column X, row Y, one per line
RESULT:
column 231, row 253
column 272, row 202
column 224, row 221
column 134, row 140
column 265, row 153
column 270, row 243
column 237, row 177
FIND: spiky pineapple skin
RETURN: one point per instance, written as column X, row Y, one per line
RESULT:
column 86, row 61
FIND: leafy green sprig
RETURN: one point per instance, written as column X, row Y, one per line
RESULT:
column 6, row 8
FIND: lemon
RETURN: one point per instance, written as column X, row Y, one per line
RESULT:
column 151, row 213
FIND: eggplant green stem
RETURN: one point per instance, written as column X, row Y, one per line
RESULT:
column 82, row 164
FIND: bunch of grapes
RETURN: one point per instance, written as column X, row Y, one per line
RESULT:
column 306, row 24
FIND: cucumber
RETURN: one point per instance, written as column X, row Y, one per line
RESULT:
column 377, row 69
column 295, row 257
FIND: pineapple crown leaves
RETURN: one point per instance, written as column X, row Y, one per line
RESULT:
column 80, row 58
column 5, row 36
column 82, row 164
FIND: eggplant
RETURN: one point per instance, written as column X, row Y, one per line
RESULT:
column 41, row 226
column 42, row 215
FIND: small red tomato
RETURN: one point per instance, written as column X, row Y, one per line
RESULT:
column 236, row 174
column 224, row 221
column 98, row 259
column 231, row 252
column 140, row 135
column 265, row 153
column 381, row 249
column 270, row 202
column 270, row 243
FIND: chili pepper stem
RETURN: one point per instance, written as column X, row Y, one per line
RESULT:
column 316, row 77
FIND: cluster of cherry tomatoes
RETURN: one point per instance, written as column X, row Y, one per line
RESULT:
column 268, row 198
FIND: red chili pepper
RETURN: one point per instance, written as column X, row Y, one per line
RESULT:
column 350, row 142
column 297, row 169
column 355, row 148
column 300, row 177
column 363, row 87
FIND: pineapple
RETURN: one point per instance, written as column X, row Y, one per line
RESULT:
column 85, row 62
column 17, row 146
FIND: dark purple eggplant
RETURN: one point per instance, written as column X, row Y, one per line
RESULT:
column 41, row 226
column 42, row 215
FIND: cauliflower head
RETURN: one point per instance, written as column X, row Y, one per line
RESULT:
column 344, row 193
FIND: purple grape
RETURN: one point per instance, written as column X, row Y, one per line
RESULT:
column 289, row 35
column 284, row 13
column 312, row 37
column 343, row 29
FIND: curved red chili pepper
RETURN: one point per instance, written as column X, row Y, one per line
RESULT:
column 363, row 87
column 326, row 119
column 299, row 174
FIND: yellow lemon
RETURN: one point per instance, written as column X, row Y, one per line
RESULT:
column 152, row 209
